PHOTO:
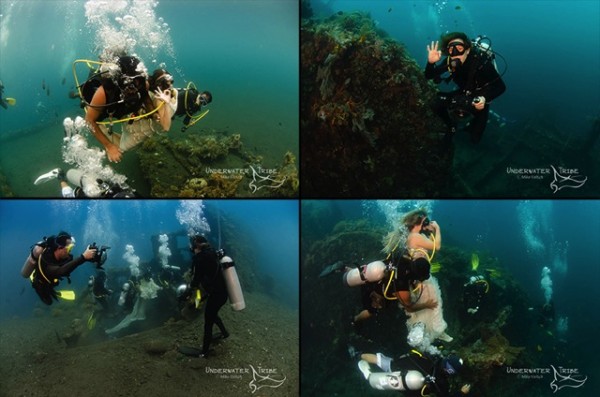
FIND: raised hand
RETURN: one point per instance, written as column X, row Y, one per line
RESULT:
column 434, row 54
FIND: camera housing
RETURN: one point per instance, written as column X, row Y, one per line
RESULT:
column 100, row 256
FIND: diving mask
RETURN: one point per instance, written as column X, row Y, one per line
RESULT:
column 166, row 81
column 456, row 48
column 202, row 100
column 69, row 247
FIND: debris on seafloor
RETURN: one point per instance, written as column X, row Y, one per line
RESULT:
column 213, row 166
column 366, row 125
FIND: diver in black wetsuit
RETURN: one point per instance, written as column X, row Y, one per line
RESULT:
column 473, row 70
column 206, row 271
column 49, row 261
column 189, row 102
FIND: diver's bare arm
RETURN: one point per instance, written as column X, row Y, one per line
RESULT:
column 93, row 113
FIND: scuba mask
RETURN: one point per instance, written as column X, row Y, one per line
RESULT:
column 202, row 100
column 165, row 81
column 456, row 48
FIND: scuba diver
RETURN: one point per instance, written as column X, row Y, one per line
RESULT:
column 474, row 292
column 206, row 273
column 116, row 91
column 86, row 186
column 213, row 274
column 472, row 68
column 49, row 261
column 414, row 374
column 190, row 101
column 547, row 315
column 98, row 287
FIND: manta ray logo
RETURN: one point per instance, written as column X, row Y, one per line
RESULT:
column 562, row 181
column 258, row 381
column 258, row 182
column 561, row 381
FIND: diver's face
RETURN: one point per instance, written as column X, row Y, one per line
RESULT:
column 458, row 50
column 63, row 252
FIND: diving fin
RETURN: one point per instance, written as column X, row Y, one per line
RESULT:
column 198, row 299
column 474, row 261
column 91, row 323
column 189, row 351
column 66, row 295
column 332, row 268
column 47, row 176
column 11, row 101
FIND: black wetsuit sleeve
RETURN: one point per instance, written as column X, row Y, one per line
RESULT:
column 54, row 271
column 433, row 70
column 492, row 83
column 196, row 270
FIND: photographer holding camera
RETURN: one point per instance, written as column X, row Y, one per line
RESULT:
column 472, row 68
column 49, row 261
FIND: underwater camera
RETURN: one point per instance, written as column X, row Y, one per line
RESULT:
column 100, row 256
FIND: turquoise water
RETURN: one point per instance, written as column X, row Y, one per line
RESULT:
column 266, row 231
column 244, row 52
column 542, row 41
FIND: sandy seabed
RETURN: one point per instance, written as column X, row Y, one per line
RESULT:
column 35, row 361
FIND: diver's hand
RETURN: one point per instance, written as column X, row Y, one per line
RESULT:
column 89, row 253
column 164, row 96
column 431, row 304
column 113, row 153
column 434, row 225
column 465, row 389
column 434, row 55
column 479, row 105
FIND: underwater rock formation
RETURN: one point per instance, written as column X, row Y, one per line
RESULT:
column 366, row 125
column 211, row 166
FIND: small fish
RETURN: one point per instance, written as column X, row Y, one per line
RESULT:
column 43, row 84
column 390, row 10
column 539, row 348
column 73, row 94
column 48, row 90
column 280, row 123
column 457, row 7
column 64, row 80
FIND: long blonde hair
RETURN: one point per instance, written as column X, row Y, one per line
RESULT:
column 414, row 218
column 398, row 236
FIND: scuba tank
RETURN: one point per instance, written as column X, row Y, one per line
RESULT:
column 410, row 380
column 484, row 45
column 234, row 289
column 89, row 185
column 373, row 272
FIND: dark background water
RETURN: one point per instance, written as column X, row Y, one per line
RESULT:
column 552, row 73
column 270, row 226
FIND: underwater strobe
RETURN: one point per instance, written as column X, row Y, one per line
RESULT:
column 234, row 289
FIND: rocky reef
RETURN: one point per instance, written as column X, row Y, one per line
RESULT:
column 366, row 125
column 214, row 166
